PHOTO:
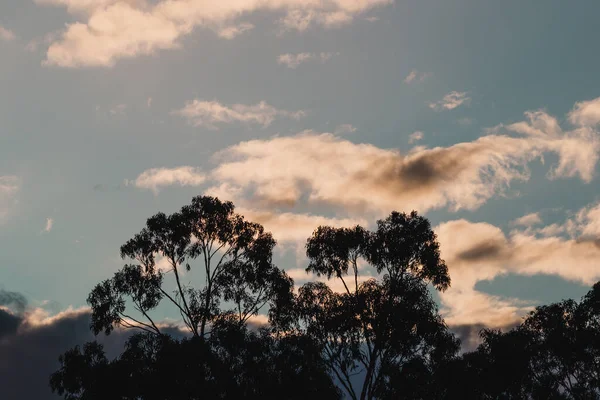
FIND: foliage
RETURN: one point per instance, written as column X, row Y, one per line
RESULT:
column 383, row 330
column 379, row 337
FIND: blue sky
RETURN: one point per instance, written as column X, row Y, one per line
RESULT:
column 304, row 112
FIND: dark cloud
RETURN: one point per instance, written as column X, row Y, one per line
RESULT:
column 29, row 354
column 9, row 323
column 13, row 300
column 484, row 250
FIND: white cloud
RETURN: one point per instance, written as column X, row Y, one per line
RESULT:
column 212, row 113
column 288, row 227
column 293, row 184
column 6, row 34
column 326, row 169
column 478, row 252
column 156, row 178
column 450, row 101
column 49, row 224
column 109, row 30
column 294, row 60
column 586, row 113
column 528, row 220
column 416, row 76
column 415, row 137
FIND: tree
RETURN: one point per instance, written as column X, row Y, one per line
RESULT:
column 381, row 331
column 553, row 354
column 220, row 355
column 235, row 257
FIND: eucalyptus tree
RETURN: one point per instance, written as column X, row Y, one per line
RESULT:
column 553, row 354
column 383, row 326
column 233, row 255
column 217, row 353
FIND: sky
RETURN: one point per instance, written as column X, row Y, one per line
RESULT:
column 483, row 116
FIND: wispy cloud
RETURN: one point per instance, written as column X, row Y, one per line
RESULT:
column 415, row 137
column 586, row 113
column 416, row 76
column 110, row 30
column 528, row 220
column 49, row 224
column 232, row 31
column 450, row 101
column 294, row 60
column 212, row 113
column 156, row 178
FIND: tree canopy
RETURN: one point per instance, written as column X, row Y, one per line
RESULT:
column 369, row 330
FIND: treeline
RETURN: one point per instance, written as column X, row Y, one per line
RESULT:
column 379, row 336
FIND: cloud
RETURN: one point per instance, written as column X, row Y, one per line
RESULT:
column 416, row 77
column 450, row 101
column 46, row 39
column 230, row 32
column 156, row 178
column 586, row 113
column 528, row 220
column 31, row 339
column 478, row 252
column 326, row 169
column 29, row 349
column 49, row 224
column 13, row 300
column 294, row 60
column 9, row 188
column 109, row 30
column 288, row 227
column 6, row 34
column 415, row 137
column 212, row 113
column 293, row 184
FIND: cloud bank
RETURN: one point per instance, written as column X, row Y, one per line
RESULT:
column 109, row 30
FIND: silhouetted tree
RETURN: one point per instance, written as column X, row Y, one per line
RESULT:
column 553, row 354
column 385, row 332
column 235, row 257
column 222, row 357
